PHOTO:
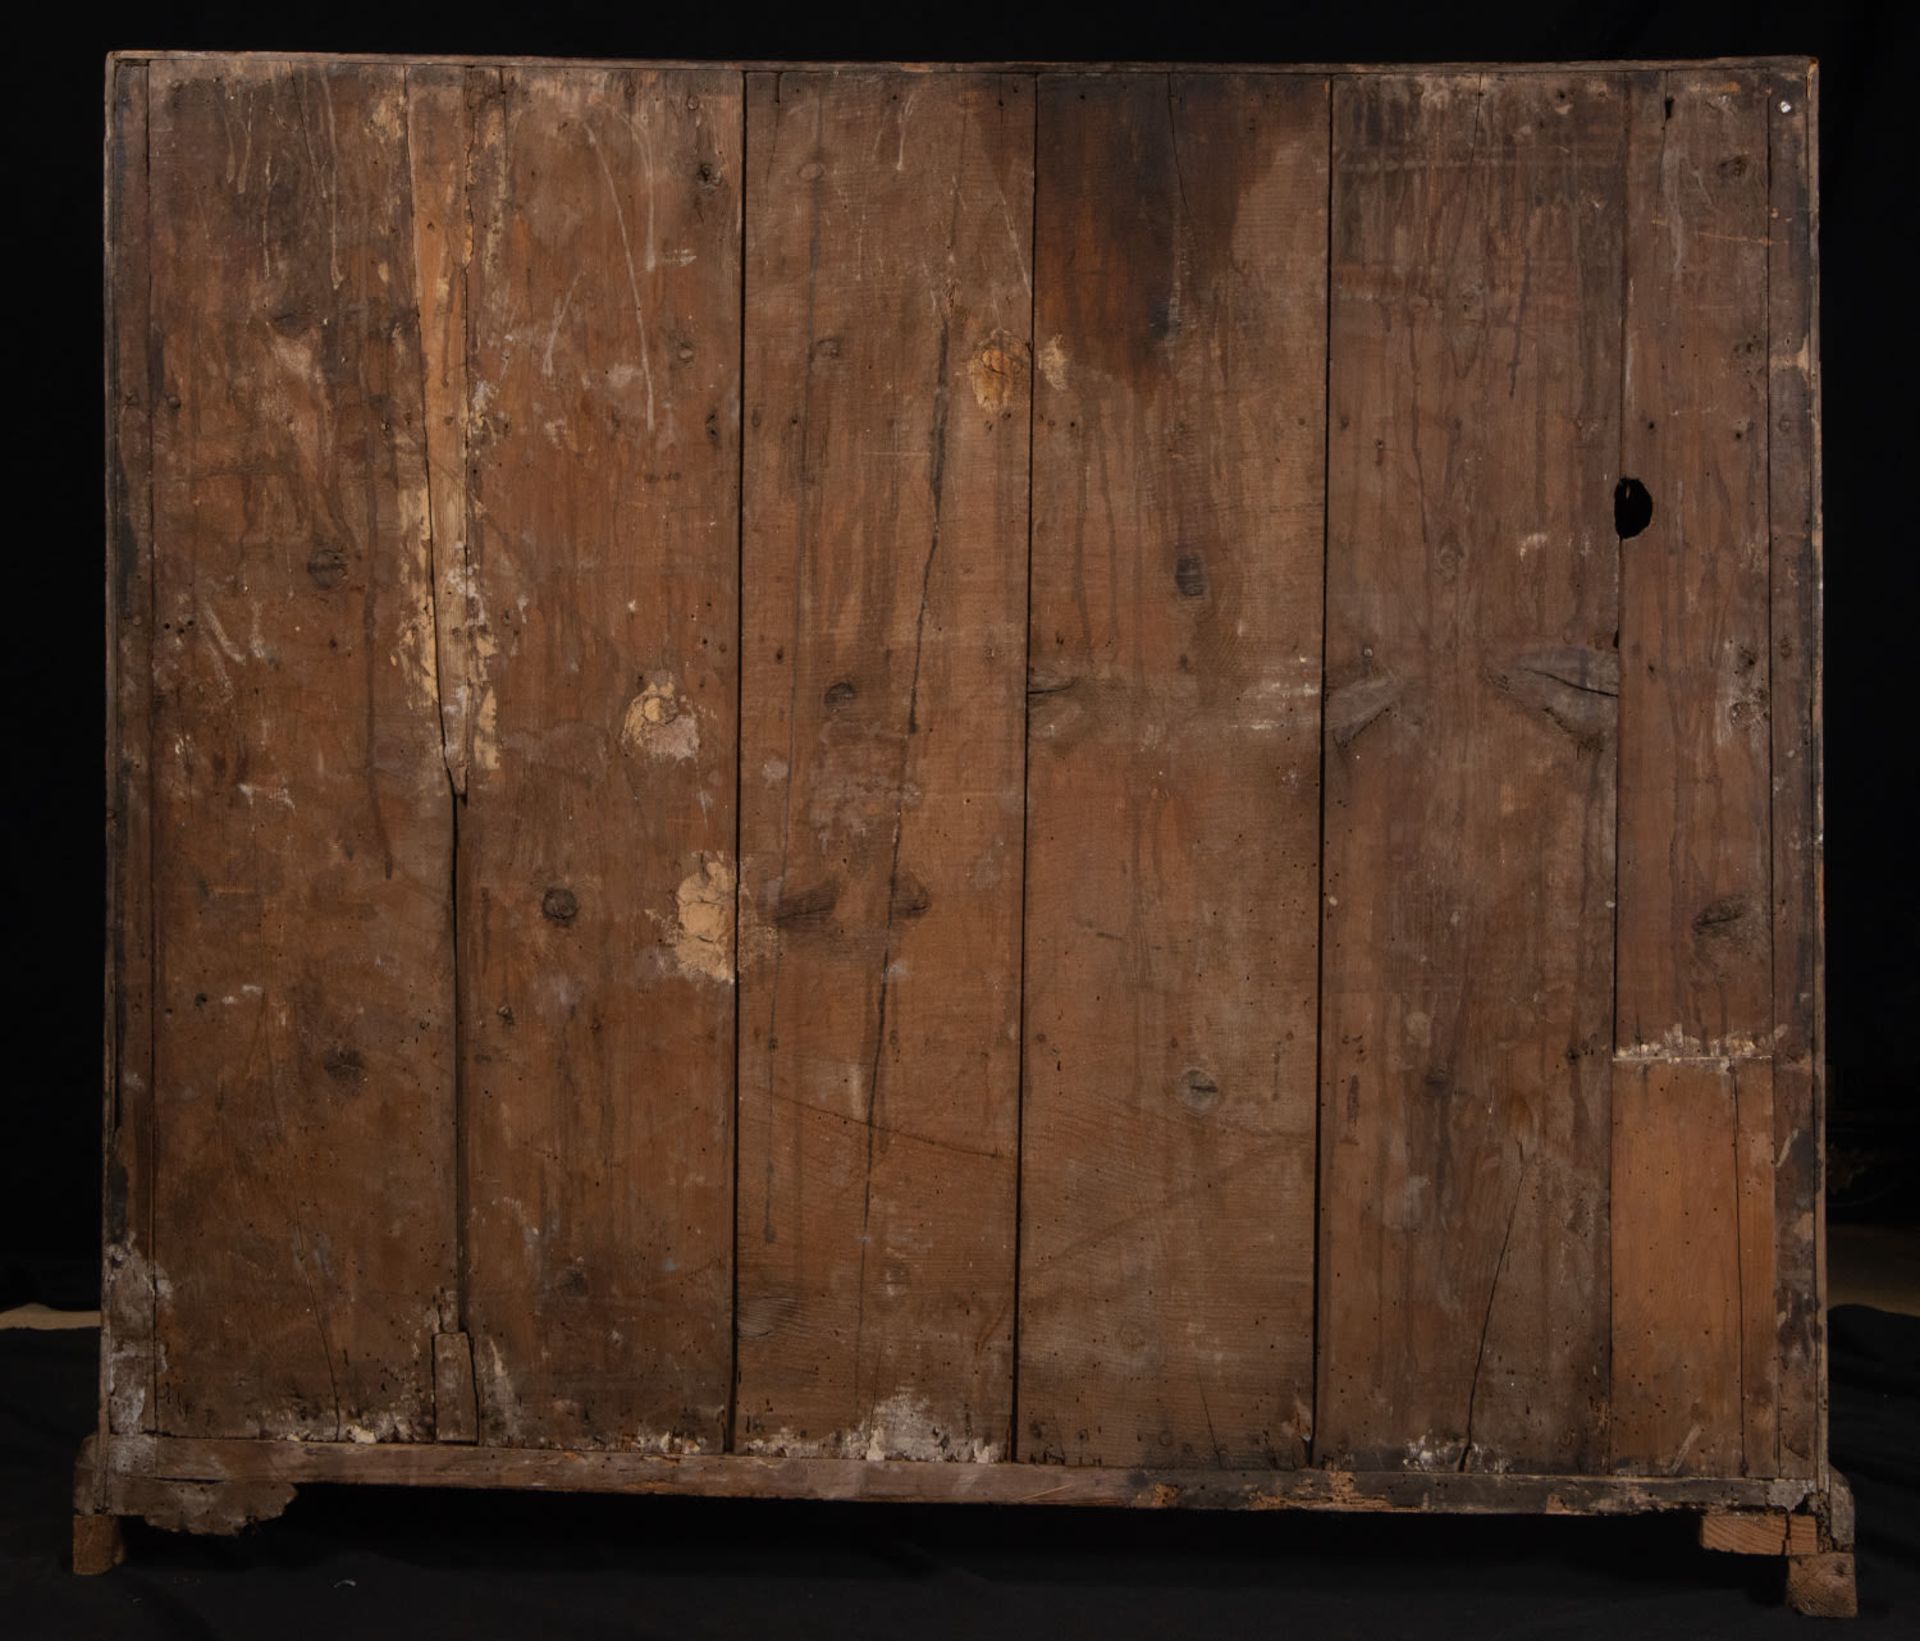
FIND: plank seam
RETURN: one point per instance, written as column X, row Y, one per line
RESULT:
column 1311, row 1441
column 1026, row 794
column 739, row 762
column 1767, row 90
column 151, row 1192
column 1610, row 1244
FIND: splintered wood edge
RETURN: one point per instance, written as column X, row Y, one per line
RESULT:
column 751, row 65
column 136, row 1463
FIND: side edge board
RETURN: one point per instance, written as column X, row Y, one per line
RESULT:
column 133, row 1460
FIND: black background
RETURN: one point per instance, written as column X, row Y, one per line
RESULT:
column 53, row 651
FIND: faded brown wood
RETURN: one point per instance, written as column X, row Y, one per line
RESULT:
column 597, row 832
column 426, row 647
column 885, row 532
column 1759, row 1533
column 1693, row 925
column 301, row 1166
column 1679, row 1186
column 1695, row 1384
column 1167, row 1148
column 127, row 1291
column 1793, row 516
column 1470, row 766
column 1755, row 1185
column 150, row 1463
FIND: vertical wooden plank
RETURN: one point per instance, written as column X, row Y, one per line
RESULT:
column 1695, row 944
column 1167, row 1153
column 1470, row 728
column 127, row 1294
column 1678, row 1284
column 1793, row 502
column 302, row 833
column 889, row 219
column 597, row 835
column 1755, row 1185
column 1695, row 921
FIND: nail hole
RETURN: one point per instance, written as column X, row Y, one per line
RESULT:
column 1632, row 508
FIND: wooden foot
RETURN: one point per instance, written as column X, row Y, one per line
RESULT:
column 98, row 1546
column 1821, row 1586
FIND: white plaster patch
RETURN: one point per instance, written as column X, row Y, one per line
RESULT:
column 661, row 723
column 700, row 934
column 901, row 1427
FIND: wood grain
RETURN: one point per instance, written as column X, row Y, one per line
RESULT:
column 1470, row 766
column 1760, row 1533
column 138, row 1465
column 1793, row 521
column 885, row 539
column 1823, row 1586
column 127, row 1291
column 938, row 554
column 1682, row 1268
column 303, row 1238
column 1694, row 941
column 1696, row 1385
column 599, row 570
column 1167, row 1159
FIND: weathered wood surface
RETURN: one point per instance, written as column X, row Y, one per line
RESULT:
column 1166, row 1291
column 1695, row 1340
column 463, row 642
column 884, row 552
column 149, row 1460
column 1472, row 683
column 1760, row 1533
column 1822, row 1586
column 1794, row 520
column 1677, row 1288
column 1694, row 948
column 598, row 572
column 127, row 1292
column 301, row 1165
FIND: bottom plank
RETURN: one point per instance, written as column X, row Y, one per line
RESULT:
column 135, row 1462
